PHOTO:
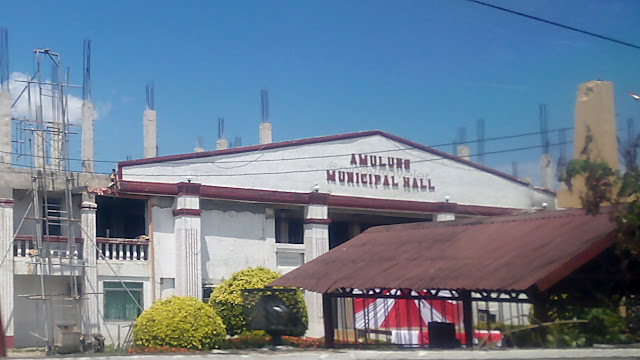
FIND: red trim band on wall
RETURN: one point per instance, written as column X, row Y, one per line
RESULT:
column 7, row 201
column 318, row 221
column 187, row 212
column 188, row 188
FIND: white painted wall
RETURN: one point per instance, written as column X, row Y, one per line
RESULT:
column 299, row 168
column 164, row 242
column 235, row 239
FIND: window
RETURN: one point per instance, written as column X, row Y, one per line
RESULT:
column 118, row 304
column 484, row 315
column 52, row 209
column 289, row 229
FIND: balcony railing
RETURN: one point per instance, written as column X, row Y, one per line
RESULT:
column 53, row 246
column 57, row 247
column 123, row 249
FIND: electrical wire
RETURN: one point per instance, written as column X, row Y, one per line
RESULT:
column 308, row 170
column 259, row 151
column 324, row 169
column 602, row 37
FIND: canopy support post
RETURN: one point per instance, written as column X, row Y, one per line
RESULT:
column 467, row 318
column 327, row 312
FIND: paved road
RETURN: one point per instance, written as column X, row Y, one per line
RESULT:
column 291, row 354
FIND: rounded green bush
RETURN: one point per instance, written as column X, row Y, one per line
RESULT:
column 226, row 300
column 180, row 322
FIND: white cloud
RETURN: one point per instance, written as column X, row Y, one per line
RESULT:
column 21, row 108
column 127, row 99
column 102, row 108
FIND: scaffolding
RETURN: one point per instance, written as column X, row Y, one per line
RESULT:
column 42, row 146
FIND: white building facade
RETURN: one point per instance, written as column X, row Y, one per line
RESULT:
column 182, row 224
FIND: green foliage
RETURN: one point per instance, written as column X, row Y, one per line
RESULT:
column 599, row 179
column 622, row 191
column 226, row 299
column 604, row 325
column 253, row 339
column 179, row 322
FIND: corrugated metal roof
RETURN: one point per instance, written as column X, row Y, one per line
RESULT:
column 498, row 253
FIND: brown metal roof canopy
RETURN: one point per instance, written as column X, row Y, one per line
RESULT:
column 499, row 253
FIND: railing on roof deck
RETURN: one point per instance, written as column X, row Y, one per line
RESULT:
column 123, row 249
column 53, row 246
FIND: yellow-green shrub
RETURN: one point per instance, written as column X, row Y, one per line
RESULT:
column 181, row 322
column 226, row 300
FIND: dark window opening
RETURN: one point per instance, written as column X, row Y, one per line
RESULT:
column 207, row 289
column 338, row 234
column 296, row 231
column 289, row 229
column 120, row 217
column 52, row 210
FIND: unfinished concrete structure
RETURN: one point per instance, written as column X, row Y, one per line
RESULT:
column 47, row 211
column 594, row 116
column 221, row 143
column 265, row 125
column 546, row 160
column 149, row 124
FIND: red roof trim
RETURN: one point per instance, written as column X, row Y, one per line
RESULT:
column 283, row 197
column 575, row 262
column 316, row 140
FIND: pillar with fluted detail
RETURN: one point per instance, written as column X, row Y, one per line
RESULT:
column 90, row 311
column 316, row 243
column 188, row 243
column 6, row 269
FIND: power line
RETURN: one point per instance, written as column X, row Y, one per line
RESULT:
column 310, row 170
column 316, row 156
column 324, row 169
column 603, row 37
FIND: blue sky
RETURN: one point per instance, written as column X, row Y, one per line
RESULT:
column 416, row 69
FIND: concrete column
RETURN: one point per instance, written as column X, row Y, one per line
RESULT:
column 149, row 133
column 6, row 269
column 316, row 243
column 546, row 171
column 87, row 136
column 265, row 133
column 462, row 151
column 55, row 146
column 39, row 148
column 595, row 114
column 5, row 128
column 188, row 243
column 446, row 211
column 90, row 314
column 595, row 111
column 222, row 144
